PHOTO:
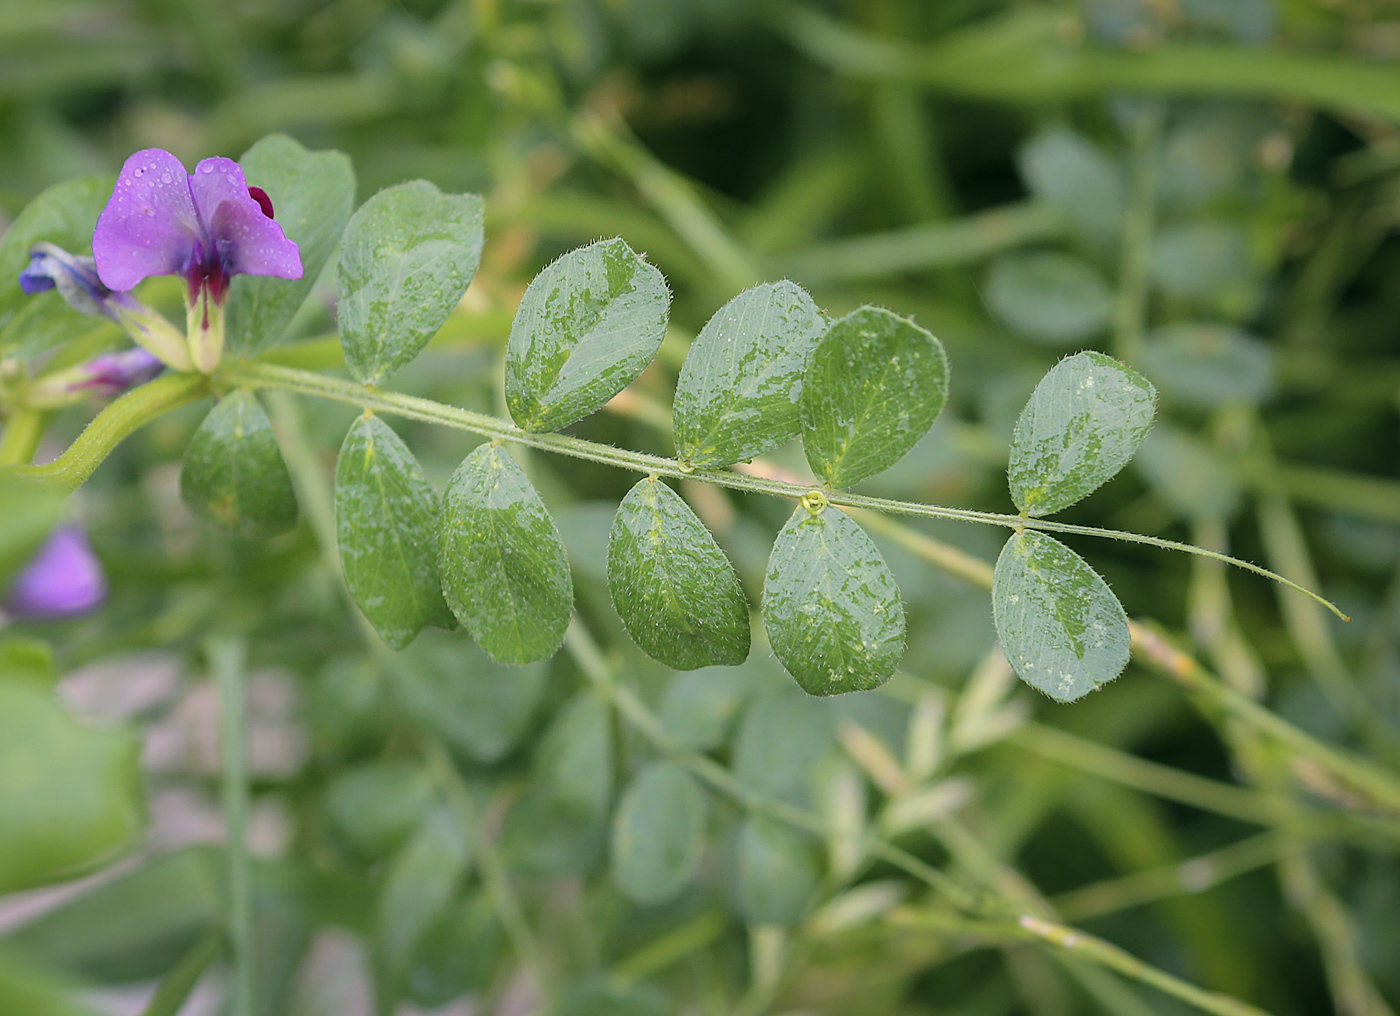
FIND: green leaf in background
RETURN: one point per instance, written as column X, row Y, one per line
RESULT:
column 1061, row 627
column 504, row 568
column 1071, row 173
column 406, row 258
column 700, row 706
column 31, row 992
column 560, row 824
column 386, row 526
column 604, row 998
column 23, row 659
column 30, row 511
column 420, row 883
column 457, row 954
column 874, row 385
column 1187, row 474
column 65, row 215
column 1049, row 297
column 658, row 833
column 776, row 873
column 479, row 707
column 783, row 736
column 1207, row 366
column 738, row 391
column 133, row 927
column 1207, row 264
column 830, row 605
column 312, row 196
column 1081, row 426
column 70, row 794
column 586, row 327
column 674, row 589
column 233, row 472
column 374, row 806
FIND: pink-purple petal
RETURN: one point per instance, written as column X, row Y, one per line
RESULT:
column 63, row 579
column 253, row 244
column 150, row 226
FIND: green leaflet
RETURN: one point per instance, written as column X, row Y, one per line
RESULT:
column 782, row 739
column 874, row 385
column 65, row 215
column 1081, row 426
column 700, row 706
column 420, row 883
column 831, row 606
column 233, row 472
column 1049, row 297
column 1059, row 624
column 479, row 707
column 69, row 794
column 1072, row 174
column 674, row 589
column 776, row 874
column 1188, row 475
column 26, row 989
column 586, row 327
column 560, row 824
column 602, row 997
column 386, row 520
column 658, row 833
column 375, row 806
column 740, row 385
column 133, row 927
column 504, row 568
column 458, row 953
column 312, row 195
column 1207, row 365
column 406, row 259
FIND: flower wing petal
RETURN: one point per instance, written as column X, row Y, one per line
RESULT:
column 248, row 241
column 149, row 227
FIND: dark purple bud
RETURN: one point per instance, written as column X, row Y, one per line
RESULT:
column 64, row 579
column 74, row 276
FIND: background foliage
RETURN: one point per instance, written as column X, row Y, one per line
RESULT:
column 1204, row 188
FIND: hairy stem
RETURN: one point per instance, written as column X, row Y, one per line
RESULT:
column 264, row 375
column 114, row 425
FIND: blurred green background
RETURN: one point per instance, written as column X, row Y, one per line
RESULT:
column 1207, row 189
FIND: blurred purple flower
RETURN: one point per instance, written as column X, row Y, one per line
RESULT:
column 63, row 579
column 105, row 376
column 77, row 281
column 206, row 226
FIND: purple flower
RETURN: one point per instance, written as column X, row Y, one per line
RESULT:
column 105, row 376
column 77, row 281
column 206, row 226
column 64, row 579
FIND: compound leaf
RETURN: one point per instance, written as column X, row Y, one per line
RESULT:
column 1059, row 624
column 674, row 589
column 874, row 385
column 505, row 571
column 587, row 326
column 830, row 604
column 741, row 382
column 407, row 257
column 1082, row 424
column 386, row 518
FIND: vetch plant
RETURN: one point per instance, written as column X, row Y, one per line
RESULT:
column 485, row 555
column 769, row 366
